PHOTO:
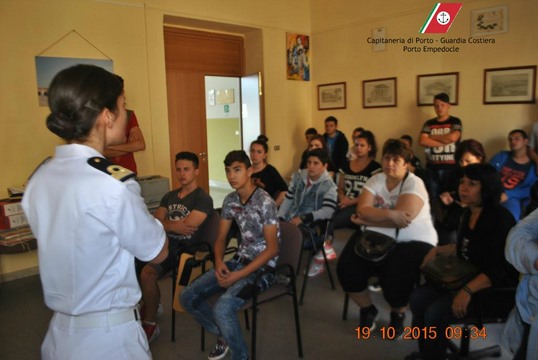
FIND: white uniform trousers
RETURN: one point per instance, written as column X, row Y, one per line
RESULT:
column 81, row 338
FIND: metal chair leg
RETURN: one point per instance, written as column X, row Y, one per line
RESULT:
column 247, row 323
column 296, row 315
column 327, row 267
column 308, row 262
column 174, row 275
column 346, row 304
column 202, row 339
column 253, row 332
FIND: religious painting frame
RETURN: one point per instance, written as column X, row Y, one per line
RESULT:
column 298, row 57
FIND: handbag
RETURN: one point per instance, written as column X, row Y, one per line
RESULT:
column 449, row 272
column 374, row 246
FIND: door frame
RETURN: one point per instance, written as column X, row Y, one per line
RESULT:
column 192, row 54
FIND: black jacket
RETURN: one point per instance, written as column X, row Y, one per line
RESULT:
column 341, row 146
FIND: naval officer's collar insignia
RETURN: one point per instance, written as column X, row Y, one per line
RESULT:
column 117, row 172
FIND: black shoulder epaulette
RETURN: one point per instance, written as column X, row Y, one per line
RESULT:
column 117, row 172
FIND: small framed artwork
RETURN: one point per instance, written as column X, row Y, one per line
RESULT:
column 379, row 93
column 511, row 85
column 378, row 35
column 489, row 21
column 332, row 96
column 298, row 57
column 429, row 85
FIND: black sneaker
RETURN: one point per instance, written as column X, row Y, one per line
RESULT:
column 220, row 350
column 369, row 316
column 397, row 322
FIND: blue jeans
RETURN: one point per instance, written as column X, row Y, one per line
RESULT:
column 221, row 318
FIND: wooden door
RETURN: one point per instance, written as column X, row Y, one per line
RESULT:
column 190, row 56
column 186, row 119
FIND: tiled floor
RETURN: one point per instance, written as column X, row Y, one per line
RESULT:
column 24, row 321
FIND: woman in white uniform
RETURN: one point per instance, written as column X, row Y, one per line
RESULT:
column 90, row 223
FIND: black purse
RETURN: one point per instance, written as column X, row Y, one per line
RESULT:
column 374, row 246
column 449, row 272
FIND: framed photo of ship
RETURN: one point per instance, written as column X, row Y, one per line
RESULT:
column 511, row 85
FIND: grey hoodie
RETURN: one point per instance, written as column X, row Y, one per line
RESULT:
column 318, row 201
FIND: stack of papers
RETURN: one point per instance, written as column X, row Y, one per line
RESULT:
column 17, row 236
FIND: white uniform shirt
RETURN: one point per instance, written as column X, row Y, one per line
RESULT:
column 89, row 226
column 421, row 227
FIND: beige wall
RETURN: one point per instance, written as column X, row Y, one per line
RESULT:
column 131, row 33
column 339, row 32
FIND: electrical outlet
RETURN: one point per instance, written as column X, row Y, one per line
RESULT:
column 276, row 148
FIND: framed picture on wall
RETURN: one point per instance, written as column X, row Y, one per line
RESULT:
column 489, row 21
column 429, row 85
column 298, row 57
column 379, row 93
column 47, row 67
column 511, row 85
column 332, row 96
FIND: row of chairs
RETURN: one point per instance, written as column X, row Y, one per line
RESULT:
column 477, row 316
column 293, row 242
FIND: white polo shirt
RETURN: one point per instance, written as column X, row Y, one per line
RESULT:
column 89, row 227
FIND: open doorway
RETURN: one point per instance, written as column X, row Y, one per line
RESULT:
column 233, row 121
column 190, row 55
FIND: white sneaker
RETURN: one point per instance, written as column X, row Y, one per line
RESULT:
column 219, row 352
column 329, row 252
column 316, row 269
column 375, row 287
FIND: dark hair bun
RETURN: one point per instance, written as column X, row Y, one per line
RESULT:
column 76, row 97
column 263, row 138
column 64, row 125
